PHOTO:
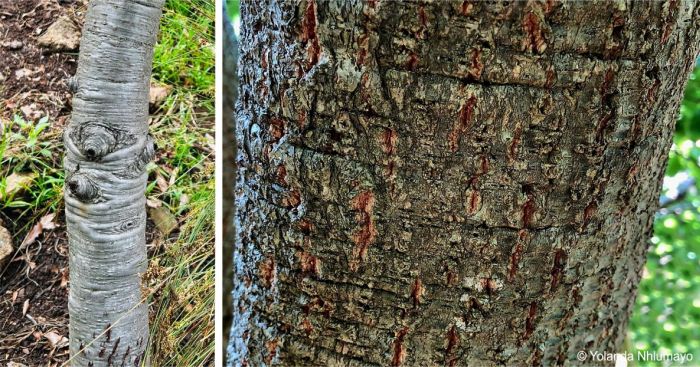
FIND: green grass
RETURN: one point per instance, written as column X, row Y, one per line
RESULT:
column 182, row 323
column 185, row 51
column 181, row 269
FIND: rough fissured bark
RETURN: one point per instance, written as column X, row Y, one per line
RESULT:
column 230, row 95
column 449, row 183
column 107, row 149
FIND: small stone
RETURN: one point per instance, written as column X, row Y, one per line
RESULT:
column 62, row 35
column 13, row 45
column 157, row 94
column 23, row 72
column 6, row 248
column 163, row 219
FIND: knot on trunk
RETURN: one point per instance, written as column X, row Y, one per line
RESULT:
column 82, row 187
column 148, row 152
column 96, row 141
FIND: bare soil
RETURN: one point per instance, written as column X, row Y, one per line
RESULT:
column 34, row 285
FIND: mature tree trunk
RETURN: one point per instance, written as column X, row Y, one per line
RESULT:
column 449, row 183
column 230, row 94
column 108, row 147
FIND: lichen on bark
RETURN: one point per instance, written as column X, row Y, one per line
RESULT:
column 107, row 149
column 448, row 183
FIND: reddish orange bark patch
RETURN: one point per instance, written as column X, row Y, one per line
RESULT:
column 310, row 264
column 389, row 138
column 473, row 201
column 589, row 212
column 487, row 285
column 309, row 34
column 529, row 209
column 476, row 66
column 632, row 174
column 293, row 199
column 399, row 355
column 466, row 115
column 557, row 268
column 267, row 271
column 670, row 24
column 466, row 8
column 276, row 129
column 452, row 343
column 652, row 91
column 534, row 39
column 305, row 226
column 530, row 320
column 263, row 61
column 550, row 77
column 363, row 203
column 271, row 347
column 363, row 45
column 514, row 146
column 417, row 292
column 412, row 62
column 516, row 254
column 607, row 82
column 484, row 166
column 421, row 16
column 282, row 175
column 307, row 326
column 451, row 278
column 301, row 121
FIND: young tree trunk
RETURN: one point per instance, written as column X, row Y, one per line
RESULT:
column 108, row 147
column 449, row 183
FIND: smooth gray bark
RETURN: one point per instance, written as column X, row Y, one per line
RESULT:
column 449, row 183
column 107, row 150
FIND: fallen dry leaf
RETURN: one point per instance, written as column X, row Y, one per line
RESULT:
column 56, row 340
column 173, row 176
column 158, row 94
column 64, row 277
column 45, row 223
column 16, row 182
column 162, row 184
column 25, row 307
column 153, row 202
